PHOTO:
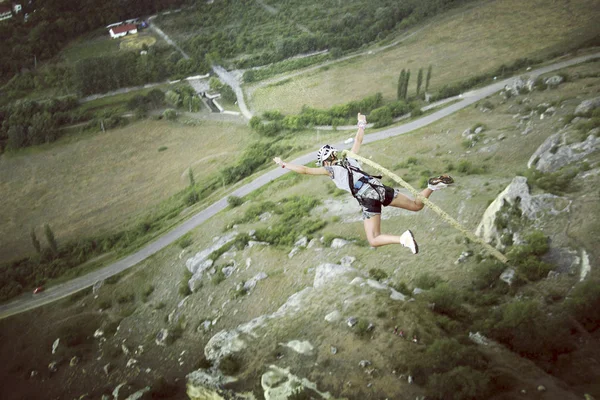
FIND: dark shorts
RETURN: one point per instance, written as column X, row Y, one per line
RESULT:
column 372, row 200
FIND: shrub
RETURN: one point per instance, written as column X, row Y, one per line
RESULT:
column 486, row 274
column 362, row 328
column 461, row 383
column 184, row 241
column 526, row 257
column 218, row 277
column 381, row 117
column 427, row 281
column 235, row 201
column 558, row 182
column 126, row 298
column 447, row 301
column 378, row 274
column 147, row 292
column 584, row 304
column 230, row 365
column 184, row 287
column 162, row 148
column 467, row 168
column 170, row 114
column 402, row 287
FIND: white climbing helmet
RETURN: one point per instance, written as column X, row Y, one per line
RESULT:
column 325, row 153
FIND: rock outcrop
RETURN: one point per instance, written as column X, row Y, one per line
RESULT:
column 200, row 262
column 587, row 106
column 555, row 153
column 530, row 205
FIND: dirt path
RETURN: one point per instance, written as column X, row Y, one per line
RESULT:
column 28, row 301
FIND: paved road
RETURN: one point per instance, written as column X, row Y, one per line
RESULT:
column 28, row 301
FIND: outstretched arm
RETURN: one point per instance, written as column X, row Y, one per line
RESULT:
column 362, row 122
column 301, row 169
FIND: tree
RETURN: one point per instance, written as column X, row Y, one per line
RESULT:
column 191, row 176
column 401, row 84
column 428, row 77
column 419, row 81
column 35, row 241
column 406, row 79
column 50, row 238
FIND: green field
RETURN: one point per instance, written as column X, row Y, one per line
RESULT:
column 104, row 181
column 471, row 40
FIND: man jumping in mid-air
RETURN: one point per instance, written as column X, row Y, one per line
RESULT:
column 370, row 193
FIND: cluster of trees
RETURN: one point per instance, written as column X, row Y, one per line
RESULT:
column 100, row 75
column 404, row 78
column 273, row 122
column 27, row 122
column 301, row 28
column 56, row 22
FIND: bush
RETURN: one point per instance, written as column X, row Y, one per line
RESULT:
column 427, row 281
column 230, row 365
column 447, row 301
column 526, row 257
column 378, row 274
column 184, row 241
column 170, row 114
column 126, row 298
column 584, row 304
column 526, row 328
column 558, row 182
column 184, row 287
column 235, row 201
column 218, row 277
column 362, row 328
column 487, row 274
column 461, row 383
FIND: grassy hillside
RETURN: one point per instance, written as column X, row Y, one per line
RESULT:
column 148, row 298
column 474, row 39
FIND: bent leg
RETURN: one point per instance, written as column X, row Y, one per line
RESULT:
column 405, row 202
column 374, row 235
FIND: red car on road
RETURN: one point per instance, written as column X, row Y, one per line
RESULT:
column 38, row 289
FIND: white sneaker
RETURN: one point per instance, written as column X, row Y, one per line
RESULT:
column 407, row 239
column 440, row 182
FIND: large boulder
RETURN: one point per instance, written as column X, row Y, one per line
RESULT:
column 200, row 262
column 587, row 106
column 530, row 205
column 555, row 153
column 329, row 272
column 280, row 384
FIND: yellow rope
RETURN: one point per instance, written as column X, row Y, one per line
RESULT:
column 490, row 249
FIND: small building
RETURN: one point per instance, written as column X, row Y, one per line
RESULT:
column 122, row 30
column 5, row 12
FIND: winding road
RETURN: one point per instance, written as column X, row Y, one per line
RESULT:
column 28, row 301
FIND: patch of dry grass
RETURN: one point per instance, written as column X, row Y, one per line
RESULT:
column 465, row 42
column 103, row 181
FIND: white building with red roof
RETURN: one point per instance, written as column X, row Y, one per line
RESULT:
column 122, row 30
column 5, row 12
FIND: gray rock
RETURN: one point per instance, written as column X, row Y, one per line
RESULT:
column 530, row 205
column 205, row 325
column 326, row 273
column 116, row 391
column 265, row 216
column 467, row 132
column 131, row 362
column 338, row 243
column 334, row 350
column 161, row 337
column 364, row 363
column 97, row 286
column 107, row 368
column 554, row 81
column 227, row 271
column 508, row 276
column 478, row 338
column 351, row 321
column 138, row 395
column 74, row 361
column 417, row 291
column 587, row 106
column 302, row 242
column 333, row 316
column 501, row 136
column 251, row 283
column 53, row 366
column 478, row 130
column 98, row 333
column 541, row 388
column 463, row 257
column 55, row 345
column 555, row 153
column 312, row 243
column 347, row 261
column 294, row 251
